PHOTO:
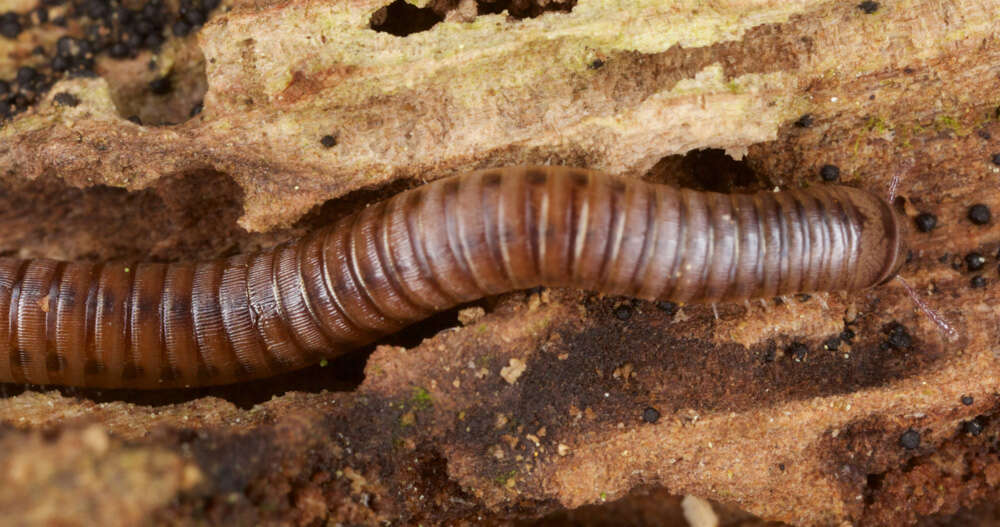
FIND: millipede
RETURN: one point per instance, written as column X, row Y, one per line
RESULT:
column 452, row 241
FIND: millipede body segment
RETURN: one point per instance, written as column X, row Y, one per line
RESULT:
column 152, row 325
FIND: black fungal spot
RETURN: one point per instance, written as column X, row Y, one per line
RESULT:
column 798, row 351
column 596, row 64
column 996, row 157
column 973, row 427
column 667, row 307
column 979, row 214
column 66, row 99
column 832, row 343
column 771, row 353
column 181, row 28
column 847, row 334
column 868, row 7
column 10, row 25
column 328, row 141
column 805, row 121
column 899, row 338
column 910, row 439
column 975, row 261
column 985, row 134
column 73, row 55
column 26, row 77
column 650, row 415
column 781, row 467
column 925, row 222
column 977, row 282
column 623, row 312
column 829, row 173
column 967, row 400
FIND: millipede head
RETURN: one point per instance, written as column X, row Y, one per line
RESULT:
column 890, row 247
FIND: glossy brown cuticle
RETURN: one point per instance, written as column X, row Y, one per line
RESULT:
column 152, row 325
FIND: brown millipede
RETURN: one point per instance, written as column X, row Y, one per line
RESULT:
column 153, row 325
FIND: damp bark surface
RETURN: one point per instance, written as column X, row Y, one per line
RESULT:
column 547, row 406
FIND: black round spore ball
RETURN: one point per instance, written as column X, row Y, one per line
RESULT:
column 798, row 351
column 975, row 261
column 623, row 312
column 181, row 28
column 66, row 99
column 967, row 400
column 328, row 141
column 144, row 27
column 153, row 10
column 925, row 221
column 771, row 353
column 96, row 9
column 899, row 337
column 153, row 41
column 996, row 159
column 977, row 282
column 66, row 47
column 910, row 439
column 805, row 121
column 119, row 50
column 650, row 415
column 194, row 17
column 160, row 86
column 122, row 15
column 10, row 25
column 667, row 306
column 973, row 427
column 26, row 75
column 868, row 7
column 829, row 172
column 979, row 214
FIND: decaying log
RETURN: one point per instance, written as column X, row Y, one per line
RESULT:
column 811, row 411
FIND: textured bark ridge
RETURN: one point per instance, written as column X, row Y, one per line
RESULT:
column 277, row 117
